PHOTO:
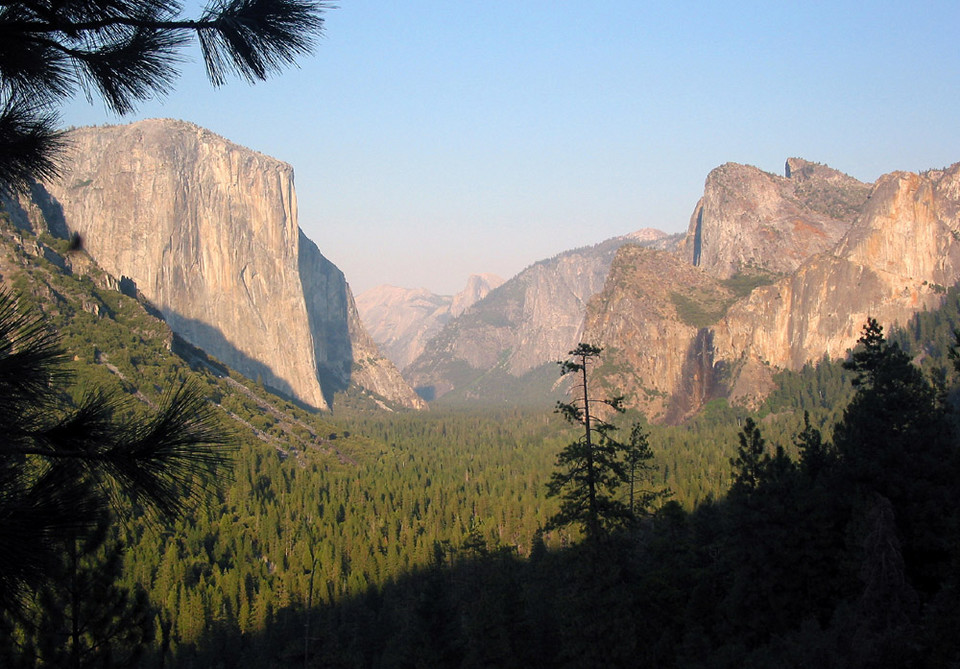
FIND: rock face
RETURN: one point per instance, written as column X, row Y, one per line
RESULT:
column 531, row 320
column 207, row 231
column 750, row 221
column 897, row 252
column 402, row 320
column 895, row 260
column 648, row 320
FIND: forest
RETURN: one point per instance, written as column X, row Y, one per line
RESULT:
column 818, row 529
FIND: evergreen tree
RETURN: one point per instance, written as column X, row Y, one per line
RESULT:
column 816, row 456
column 751, row 458
column 62, row 464
column 591, row 468
column 638, row 459
column 895, row 441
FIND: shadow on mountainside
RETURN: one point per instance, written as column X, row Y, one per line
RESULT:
column 326, row 301
column 329, row 312
column 211, row 341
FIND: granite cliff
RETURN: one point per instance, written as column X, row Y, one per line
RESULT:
column 750, row 221
column 520, row 328
column 896, row 259
column 773, row 272
column 802, row 284
column 207, row 232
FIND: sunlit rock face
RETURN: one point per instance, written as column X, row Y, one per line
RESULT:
column 896, row 259
column 207, row 230
column 653, row 349
column 749, row 220
column 885, row 251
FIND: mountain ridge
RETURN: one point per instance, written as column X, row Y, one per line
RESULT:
column 895, row 258
column 402, row 320
column 527, row 322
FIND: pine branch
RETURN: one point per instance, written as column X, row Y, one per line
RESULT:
column 257, row 37
column 131, row 68
column 178, row 458
column 30, row 144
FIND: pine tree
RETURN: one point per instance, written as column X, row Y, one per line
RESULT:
column 81, row 617
column 751, row 458
column 638, row 457
column 591, row 468
column 895, row 441
column 62, row 465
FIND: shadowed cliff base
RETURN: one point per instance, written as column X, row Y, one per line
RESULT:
column 326, row 299
column 217, row 346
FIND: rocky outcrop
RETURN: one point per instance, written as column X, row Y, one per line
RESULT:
column 649, row 319
column 749, row 221
column 207, row 231
column 895, row 260
column 896, row 256
column 478, row 287
column 403, row 320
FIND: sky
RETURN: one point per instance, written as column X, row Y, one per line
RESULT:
column 434, row 139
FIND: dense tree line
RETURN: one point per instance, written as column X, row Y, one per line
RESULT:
column 844, row 556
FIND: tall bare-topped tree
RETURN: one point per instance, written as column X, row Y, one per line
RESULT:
column 125, row 52
column 591, row 468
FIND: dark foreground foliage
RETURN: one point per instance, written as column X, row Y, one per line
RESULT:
column 844, row 556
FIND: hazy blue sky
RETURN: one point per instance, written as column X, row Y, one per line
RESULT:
column 436, row 139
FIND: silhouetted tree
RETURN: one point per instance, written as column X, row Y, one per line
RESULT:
column 591, row 468
column 751, row 458
column 62, row 464
column 81, row 617
column 895, row 441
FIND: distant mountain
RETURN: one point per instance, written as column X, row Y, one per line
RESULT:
column 519, row 329
column 402, row 320
column 772, row 273
column 207, row 232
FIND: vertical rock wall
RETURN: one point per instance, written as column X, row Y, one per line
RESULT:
column 207, row 231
